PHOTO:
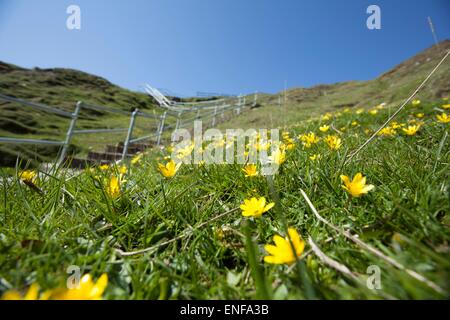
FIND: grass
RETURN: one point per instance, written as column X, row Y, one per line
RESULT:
column 74, row 222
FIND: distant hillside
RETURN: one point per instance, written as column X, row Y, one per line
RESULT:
column 60, row 88
column 391, row 87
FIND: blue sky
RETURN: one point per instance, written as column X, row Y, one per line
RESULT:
column 227, row 46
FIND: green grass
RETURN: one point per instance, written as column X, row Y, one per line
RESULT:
column 74, row 222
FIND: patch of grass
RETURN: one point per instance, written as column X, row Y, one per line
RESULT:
column 73, row 221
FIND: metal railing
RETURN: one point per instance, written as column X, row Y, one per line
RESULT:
column 183, row 114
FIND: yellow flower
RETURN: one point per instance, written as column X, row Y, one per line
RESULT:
column 278, row 156
column 354, row 123
column 333, row 142
column 113, row 187
column 282, row 252
column 420, row 115
column 396, row 125
column 314, row 157
column 31, row 294
column 170, row 169
column 387, row 131
column 137, row 158
column 28, row 176
column 309, row 139
column 446, row 106
column 324, row 128
column 104, row 167
column 87, row 289
column 123, row 170
column 359, row 111
column 186, row 151
column 415, row 102
column 255, row 207
column 443, row 118
column 250, row 170
column 373, row 112
column 327, row 116
column 411, row 130
column 357, row 187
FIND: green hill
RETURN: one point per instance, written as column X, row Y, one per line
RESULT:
column 391, row 87
column 62, row 88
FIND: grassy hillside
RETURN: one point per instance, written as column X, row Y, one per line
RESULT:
column 391, row 87
column 185, row 237
column 60, row 88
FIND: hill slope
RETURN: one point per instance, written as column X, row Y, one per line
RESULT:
column 60, row 88
column 391, row 87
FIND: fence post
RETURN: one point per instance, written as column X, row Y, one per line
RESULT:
column 255, row 99
column 177, row 126
column 69, row 133
column 161, row 128
column 129, row 134
column 198, row 114
column 238, row 109
column 214, row 117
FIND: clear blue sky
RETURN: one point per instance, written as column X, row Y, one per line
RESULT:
column 228, row 46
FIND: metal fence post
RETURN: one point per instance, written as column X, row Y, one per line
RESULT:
column 177, row 126
column 238, row 109
column 161, row 128
column 70, row 133
column 129, row 134
column 214, row 117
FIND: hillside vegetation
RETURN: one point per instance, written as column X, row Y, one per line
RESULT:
column 143, row 231
column 391, row 87
column 60, row 88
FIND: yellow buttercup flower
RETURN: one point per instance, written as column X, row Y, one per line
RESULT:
column 28, row 176
column 373, row 112
column 104, row 167
column 356, row 187
column 278, row 156
column 387, row 131
column 415, row 102
column 255, row 207
column 324, row 128
column 250, row 170
column 396, row 125
column 314, row 157
column 137, row 158
column 411, row 130
column 354, row 123
column 170, row 169
column 359, row 111
column 309, row 139
column 327, row 116
column 31, row 294
column 123, row 170
column 282, row 252
column 420, row 115
column 333, row 142
column 113, row 187
column 87, row 289
column 443, row 118
column 446, row 106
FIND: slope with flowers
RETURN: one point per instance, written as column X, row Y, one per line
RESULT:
column 154, row 229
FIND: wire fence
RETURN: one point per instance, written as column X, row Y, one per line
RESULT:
column 143, row 127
